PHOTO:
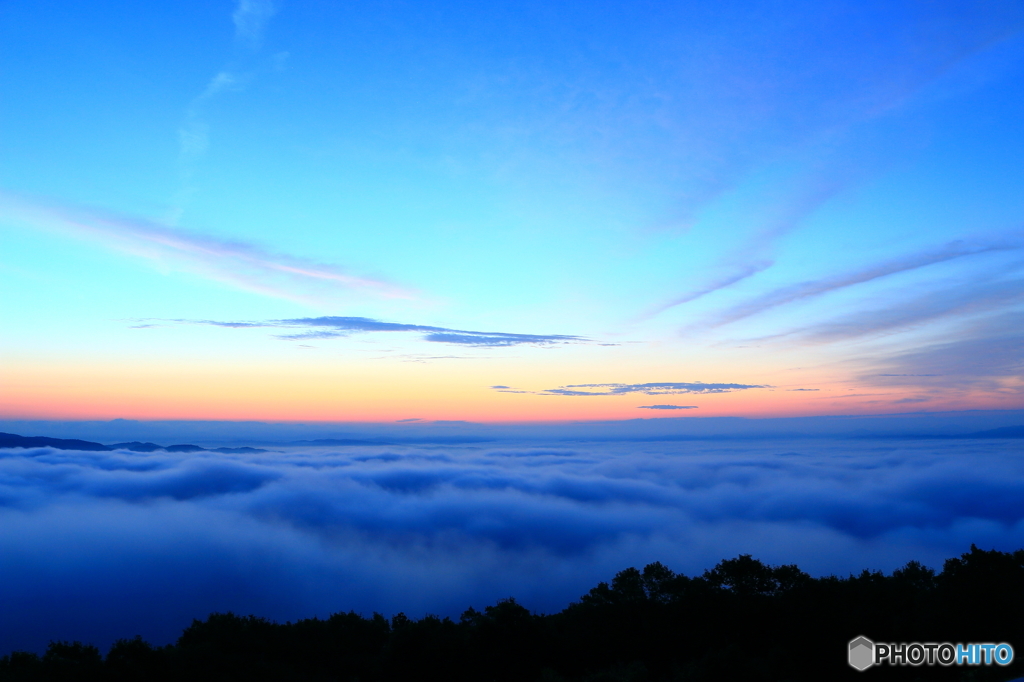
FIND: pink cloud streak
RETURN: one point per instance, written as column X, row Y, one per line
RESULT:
column 237, row 263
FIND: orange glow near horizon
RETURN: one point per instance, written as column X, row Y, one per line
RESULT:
column 356, row 394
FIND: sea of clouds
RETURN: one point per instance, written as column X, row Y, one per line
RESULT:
column 100, row 545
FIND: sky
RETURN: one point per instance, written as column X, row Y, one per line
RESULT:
column 509, row 212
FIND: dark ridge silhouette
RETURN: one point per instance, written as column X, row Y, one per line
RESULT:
column 10, row 440
column 742, row 620
column 1004, row 432
column 336, row 441
column 136, row 446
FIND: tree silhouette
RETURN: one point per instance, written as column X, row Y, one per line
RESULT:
column 742, row 620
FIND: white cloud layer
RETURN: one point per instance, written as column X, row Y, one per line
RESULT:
column 100, row 545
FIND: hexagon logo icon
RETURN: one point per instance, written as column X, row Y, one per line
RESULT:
column 862, row 653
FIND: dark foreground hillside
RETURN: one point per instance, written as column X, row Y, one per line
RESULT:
column 742, row 620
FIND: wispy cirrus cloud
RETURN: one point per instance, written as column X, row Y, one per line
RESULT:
column 734, row 275
column 963, row 336
column 981, row 295
column 844, row 153
column 250, row 18
column 658, row 388
column 235, row 262
column 194, row 132
column 756, row 254
column 987, row 354
column 341, row 327
column 804, row 290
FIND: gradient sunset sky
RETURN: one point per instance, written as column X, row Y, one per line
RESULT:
column 509, row 211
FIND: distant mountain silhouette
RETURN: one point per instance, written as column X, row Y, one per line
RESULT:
column 1001, row 432
column 10, row 440
column 1004, row 432
column 337, row 441
column 136, row 446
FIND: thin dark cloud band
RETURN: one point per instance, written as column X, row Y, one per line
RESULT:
column 330, row 327
column 667, row 407
column 657, row 388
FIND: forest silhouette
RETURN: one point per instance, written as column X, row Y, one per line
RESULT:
column 742, row 620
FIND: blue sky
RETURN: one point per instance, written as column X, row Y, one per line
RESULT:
column 767, row 194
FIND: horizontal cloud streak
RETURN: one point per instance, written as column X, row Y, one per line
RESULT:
column 755, row 255
column 738, row 275
column 667, row 407
column 988, row 354
column 238, row 263
column 812, row 289
column 662, row 388
column 966, row 298
column 340, row 327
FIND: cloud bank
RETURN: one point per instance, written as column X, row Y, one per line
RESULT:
column 99, row 545
column 342, row 327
